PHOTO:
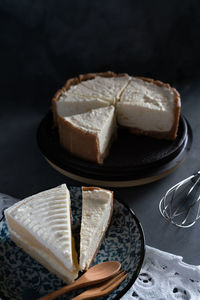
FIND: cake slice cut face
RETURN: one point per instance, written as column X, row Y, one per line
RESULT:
column 149, row 107
column 41, row 225
column 89, row 135
column 97, row 207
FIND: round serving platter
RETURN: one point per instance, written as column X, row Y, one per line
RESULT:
column 21, row 277
column 133, row 159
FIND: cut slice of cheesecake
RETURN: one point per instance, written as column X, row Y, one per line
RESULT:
column 83, row 91
column 41, row 225
column 89, row 135
column 88, row 91
column 97, row 208
column 107, row 88
column 149, row 107
column 69, row 104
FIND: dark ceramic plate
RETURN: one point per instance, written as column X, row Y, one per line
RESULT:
column 132, row 157
column 21, row 277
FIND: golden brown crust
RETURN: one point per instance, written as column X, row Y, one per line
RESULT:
column 155, row 134
column 111, row 212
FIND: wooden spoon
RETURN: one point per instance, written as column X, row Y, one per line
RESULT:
column 94, row 275
column 102, row 289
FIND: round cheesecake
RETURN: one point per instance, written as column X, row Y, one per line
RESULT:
column 144, row 106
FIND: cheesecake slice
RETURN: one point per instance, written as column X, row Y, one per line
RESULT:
column 149, row 107
column 88, row 91
column 69, row 105
column 97, row 208
column 107, row 88
column 89, row 135
column 41, row 225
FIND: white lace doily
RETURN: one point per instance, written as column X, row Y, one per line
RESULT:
column 165, row 276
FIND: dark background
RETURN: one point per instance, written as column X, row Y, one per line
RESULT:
column 45, row 42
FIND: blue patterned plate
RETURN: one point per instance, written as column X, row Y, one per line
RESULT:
column 21, row 277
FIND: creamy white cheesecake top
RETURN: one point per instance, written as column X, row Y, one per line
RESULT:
column 70, row 104
column 140, row 103
column 108, row 88
column 101, row 122
column 93, row 120
column 47, row 217
column 149, row 94
column 147, row 106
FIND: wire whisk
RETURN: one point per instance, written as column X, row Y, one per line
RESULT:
column 181, row 203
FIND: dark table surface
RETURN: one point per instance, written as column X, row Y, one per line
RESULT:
column 24, row 171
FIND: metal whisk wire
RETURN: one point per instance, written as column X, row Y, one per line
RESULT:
column 181, row 203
